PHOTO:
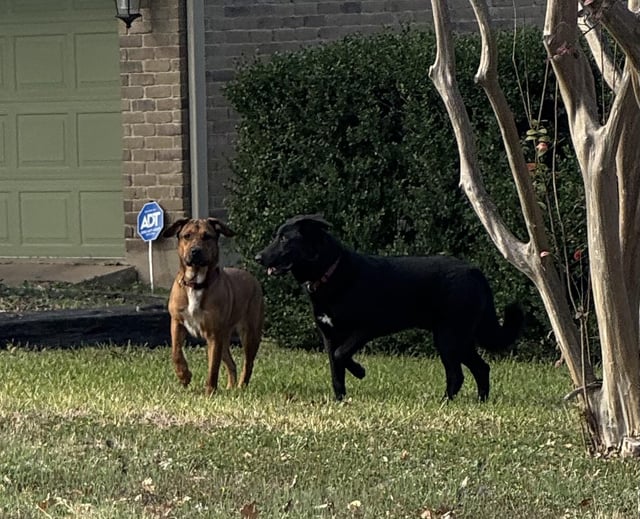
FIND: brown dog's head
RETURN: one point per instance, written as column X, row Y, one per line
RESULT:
column 198, row 241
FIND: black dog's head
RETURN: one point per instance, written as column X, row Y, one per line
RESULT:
column 297, row 247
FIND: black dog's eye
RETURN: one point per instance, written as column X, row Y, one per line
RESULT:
column 207, row 236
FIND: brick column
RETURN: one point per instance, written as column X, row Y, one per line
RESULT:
column 153, row 66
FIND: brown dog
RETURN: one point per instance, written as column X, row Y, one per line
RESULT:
column 211, row 302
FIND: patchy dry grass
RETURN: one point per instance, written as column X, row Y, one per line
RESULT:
column 109, row 433
column 46, row 295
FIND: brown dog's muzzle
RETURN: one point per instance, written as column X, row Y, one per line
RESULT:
column 196, row 257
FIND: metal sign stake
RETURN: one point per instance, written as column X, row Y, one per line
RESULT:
column 151, row 264
column 150, row 224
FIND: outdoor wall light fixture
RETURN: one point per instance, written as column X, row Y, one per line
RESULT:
column 128, row 10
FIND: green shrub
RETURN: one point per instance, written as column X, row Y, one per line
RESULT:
column 355, row 130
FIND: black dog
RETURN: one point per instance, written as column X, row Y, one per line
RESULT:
column 357, row 298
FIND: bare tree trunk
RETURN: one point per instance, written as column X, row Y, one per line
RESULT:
column 611, row 197
column 610, row 163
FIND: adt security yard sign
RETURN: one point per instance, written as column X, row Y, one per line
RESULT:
column 150, row 224
column 150, row 221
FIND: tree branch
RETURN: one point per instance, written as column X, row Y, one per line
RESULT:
column 601, row 53
column 621, row 22
column 442, row 73
column 619, row 114
column 573, row 73
column 487, row 77
column 628, row 165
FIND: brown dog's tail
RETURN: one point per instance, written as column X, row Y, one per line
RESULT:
column 495, row 337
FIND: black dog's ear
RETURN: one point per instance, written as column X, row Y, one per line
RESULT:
column 175, row 228
column 221, row 227
column 316, row 220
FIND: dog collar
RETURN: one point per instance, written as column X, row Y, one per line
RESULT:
column 192, row 284
column 313, row 286
column 198, row 286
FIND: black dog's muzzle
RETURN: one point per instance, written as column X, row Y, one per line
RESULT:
column 272, row 270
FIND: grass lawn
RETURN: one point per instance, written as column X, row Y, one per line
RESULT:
column 109, row 433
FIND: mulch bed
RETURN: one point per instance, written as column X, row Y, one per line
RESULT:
column 148, row 325
column 66, row 315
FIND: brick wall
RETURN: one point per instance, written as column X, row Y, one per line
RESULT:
column 236, row 28
column 153, row 65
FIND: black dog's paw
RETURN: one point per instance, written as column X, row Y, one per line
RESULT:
column 356, row 369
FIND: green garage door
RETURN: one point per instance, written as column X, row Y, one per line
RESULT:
column 60, row 129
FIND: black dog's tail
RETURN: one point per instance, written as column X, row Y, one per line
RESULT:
column 495, row 337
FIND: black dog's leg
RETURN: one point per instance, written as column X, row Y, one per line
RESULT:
column 454, row 375
column 337, row 370
column 337, row 378
column 350, row 346
column 480, row 371
column 448, row 345
column 356, row 369
column 344, row 354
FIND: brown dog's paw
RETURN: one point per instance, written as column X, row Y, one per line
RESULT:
column 185, row 378
column 209, row 390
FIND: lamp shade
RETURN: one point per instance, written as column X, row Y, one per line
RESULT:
column 128, row 10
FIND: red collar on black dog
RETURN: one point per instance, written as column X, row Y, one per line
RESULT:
column 313, row 286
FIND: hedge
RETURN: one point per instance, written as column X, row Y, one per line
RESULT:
column 355, row 130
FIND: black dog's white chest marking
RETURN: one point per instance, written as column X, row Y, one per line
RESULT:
column 325, row 319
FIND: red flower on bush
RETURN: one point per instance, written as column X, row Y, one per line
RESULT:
column 577, row 255
column 542, row 147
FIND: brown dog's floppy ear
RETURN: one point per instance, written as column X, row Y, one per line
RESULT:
column 174, row 228
column 221, row 227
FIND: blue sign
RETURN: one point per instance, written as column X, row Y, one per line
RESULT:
column 150, row 221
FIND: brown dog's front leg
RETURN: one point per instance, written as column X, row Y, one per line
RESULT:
column 178, row 336
column 232, row 372
column 215, row 346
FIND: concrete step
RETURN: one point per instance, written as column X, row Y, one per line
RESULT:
column 15, row 273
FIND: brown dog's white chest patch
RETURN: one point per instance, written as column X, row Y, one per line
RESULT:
column 193, row 316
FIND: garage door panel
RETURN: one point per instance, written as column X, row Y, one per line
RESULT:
column 47, row 218
column 4, row 63
column 86, row 4
column 36, row 6
column 43, row 140
column 4, row 216
column 95, row 67
column 40, row 61
column 99, row 140
column 3, row 143
column 93, row 207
